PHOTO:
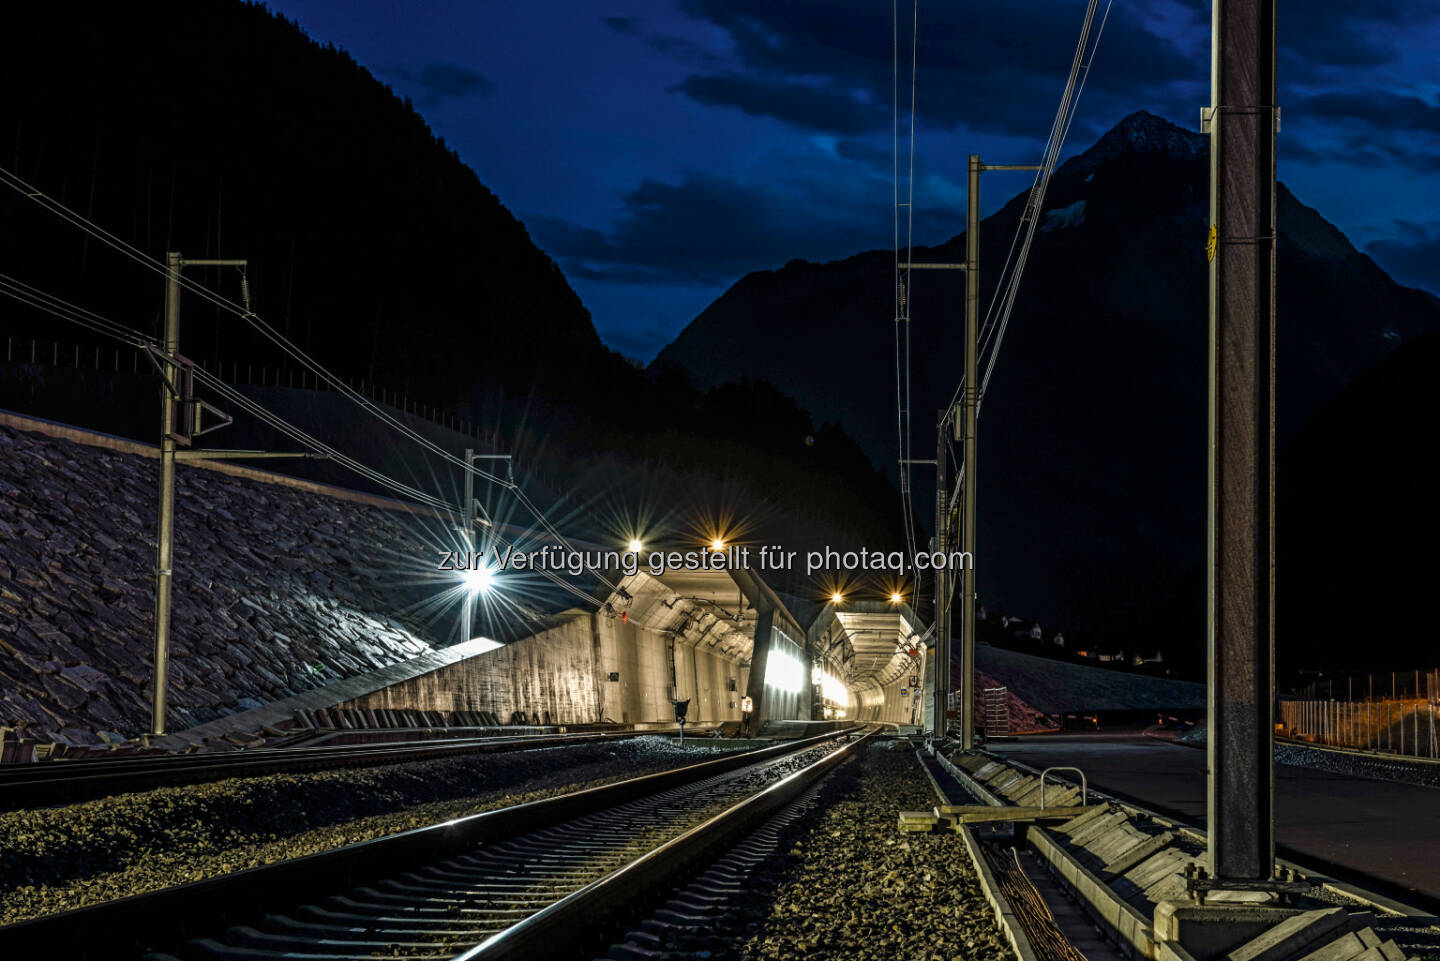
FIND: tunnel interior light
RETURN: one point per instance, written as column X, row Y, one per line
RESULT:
column 784, row 671
column 832, row 688
column 635, row 546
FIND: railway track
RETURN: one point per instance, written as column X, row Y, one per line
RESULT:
column 689, row 916
column 515, row 882
column 42, row 783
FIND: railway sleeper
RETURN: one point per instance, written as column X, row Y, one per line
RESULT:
column 418, row 886
column 207, row 949
column 402, row 895
column 360, row 913
column 386, row 930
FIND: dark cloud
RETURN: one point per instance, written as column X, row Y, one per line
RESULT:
column 1384, row 110
column 444, row 81
column 622, row 24
column 1342, row 33
column 1291, row 149
column 453, row 80
column 1412, row 256
column 834, row 111
column 1364, row 150
column 995, row 67
column 709, row 230
column 864, row 152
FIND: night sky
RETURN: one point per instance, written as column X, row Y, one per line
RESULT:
column 660, row 150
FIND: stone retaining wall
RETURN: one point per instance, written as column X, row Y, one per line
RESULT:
column 279, row 588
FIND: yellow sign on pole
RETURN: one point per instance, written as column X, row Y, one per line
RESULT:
column 1210, row 242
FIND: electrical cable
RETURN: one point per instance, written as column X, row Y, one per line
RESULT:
column 1064, row 118
column 41, row 199
column 39, row 299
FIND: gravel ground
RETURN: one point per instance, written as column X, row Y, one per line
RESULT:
column 846, row 884
column 1380, row 767
column 54, row 859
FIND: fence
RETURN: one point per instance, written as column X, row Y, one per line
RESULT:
column 1401, row 726
column 997, row 711
column 1394, row 685
column 132, row 361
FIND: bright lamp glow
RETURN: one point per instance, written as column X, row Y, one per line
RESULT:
column 831, row 688
column 836, row 598
column 479, row 580
column 635, row 545
column 717, row 545
column 895, row 598
column 784, row 671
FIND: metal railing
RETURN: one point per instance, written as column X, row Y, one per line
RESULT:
column 1395, row 725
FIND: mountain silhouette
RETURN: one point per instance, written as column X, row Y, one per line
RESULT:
column 1093, row 430
column 221, row 130
column 1357, row 519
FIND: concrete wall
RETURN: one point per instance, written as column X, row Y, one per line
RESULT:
column 714, row 684
column 565, row 673
column 550, row 673
column 901, row 710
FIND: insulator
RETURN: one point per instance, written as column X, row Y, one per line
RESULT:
column 900, row 295
column 245, row 290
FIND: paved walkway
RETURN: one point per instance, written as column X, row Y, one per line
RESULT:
column 1383, row 829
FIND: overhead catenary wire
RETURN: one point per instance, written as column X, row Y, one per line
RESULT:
column 34, row 194
column 34, row 297
column 64, row 310
column 317, row 446
column 901, row 279
column 1060, row 129
column 1002, row 300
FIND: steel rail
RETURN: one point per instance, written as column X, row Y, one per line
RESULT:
column 573, row 919
column 38, row 783
column 166, row 918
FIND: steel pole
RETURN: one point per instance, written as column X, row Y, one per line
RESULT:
column 941, row 681
column 467, row 607
column 1241, row 463
column 165, row 526
column 971, row 406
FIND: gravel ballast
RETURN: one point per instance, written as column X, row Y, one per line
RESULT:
column 54, row 859
column 1352, row 763
column 1359, row 765
column 846, row 884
